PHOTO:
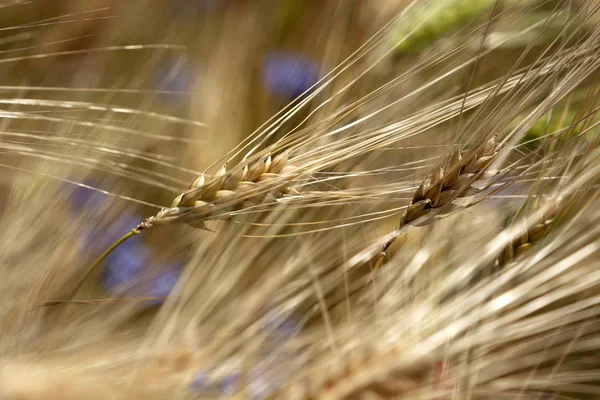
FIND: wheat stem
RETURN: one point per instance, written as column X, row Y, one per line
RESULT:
column 98, row 260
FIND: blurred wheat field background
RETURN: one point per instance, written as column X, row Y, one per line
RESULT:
column 339, row 199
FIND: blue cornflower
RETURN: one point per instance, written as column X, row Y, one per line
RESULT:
column 129, row 269
column 288, row 74
column 201, row 383
column 178, row 77
column 125, row 267
column 271, row 373
column 163, row 284
column 225, row 386
column 283, row 328
column 230, row 383
column 120, row 226
column 82, row 197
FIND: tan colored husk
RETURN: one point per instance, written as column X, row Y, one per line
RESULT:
column 524, row 243
column 449, row 182
column 263, row 180
column 446, row 184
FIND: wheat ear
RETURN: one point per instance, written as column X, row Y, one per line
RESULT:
column 522, row 244
column 445, row 185
column 545, row 224
column 265, row 179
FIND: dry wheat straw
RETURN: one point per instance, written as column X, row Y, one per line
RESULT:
column 228, row 192
column 510, row 308
column 454, row 320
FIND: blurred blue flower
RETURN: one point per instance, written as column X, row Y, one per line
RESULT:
column 227, row 385
column 283, row 328
column 230, row 384
column 200, row 383
column 265, row 381
column 82, row 197
column 84, row 200
column 175, row 76
column 120, row 226
column 163, row 284
column 260, row 387
column 125, row 267
column 288, row 74
column 130, row 269
column 274, row 369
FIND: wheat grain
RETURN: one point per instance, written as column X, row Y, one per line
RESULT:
column 534, row 234
column 446, row 184
column 269, row 177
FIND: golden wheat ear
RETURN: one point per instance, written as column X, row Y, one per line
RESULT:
column 552, row 193
column 264, row 179
column 501, row 319
column 447, row 183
